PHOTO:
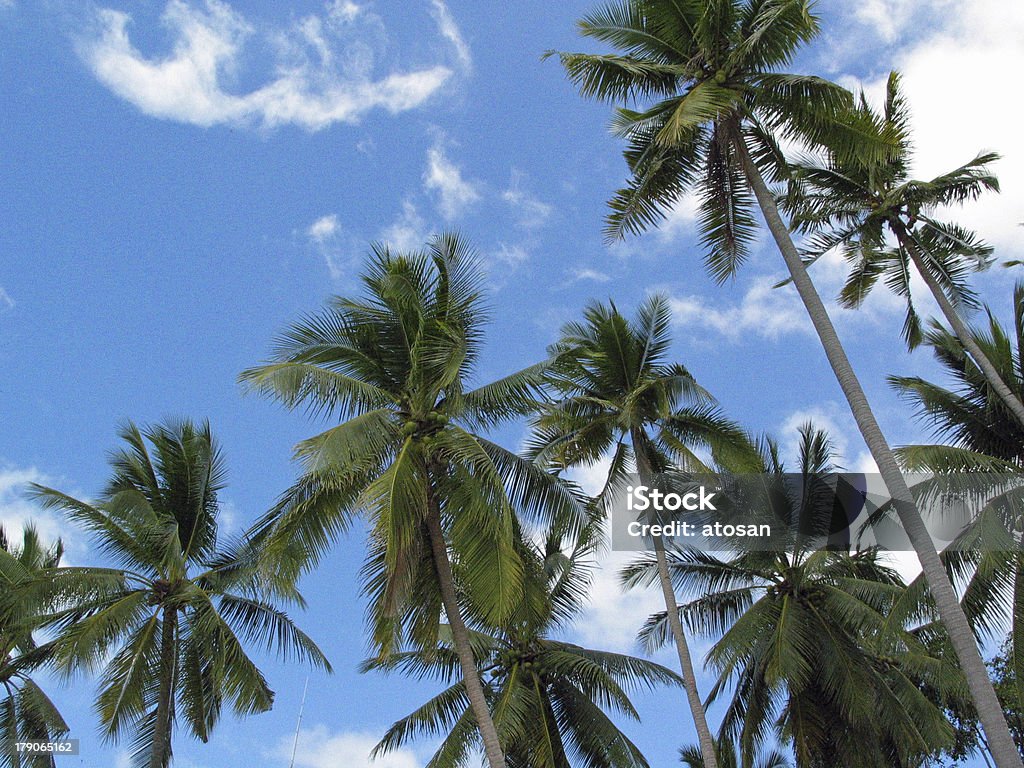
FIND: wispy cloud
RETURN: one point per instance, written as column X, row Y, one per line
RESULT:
column 450, row 31
column 313, row 86
column 6, row 302
column 591, row 275
column 319, row 747
column 444, row 178
column 337, row 248
column 408, row 232
column 531, row 213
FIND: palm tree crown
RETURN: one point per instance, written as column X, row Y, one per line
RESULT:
column 853, row 204
column 804, row 640
column 547, row 694
column 168, row 625
column 26, row 712
column 442, row 500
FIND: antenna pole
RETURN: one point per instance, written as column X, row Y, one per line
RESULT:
column 298, row 724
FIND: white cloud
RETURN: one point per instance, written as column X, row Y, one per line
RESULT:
column 318, row 747
column 310, row 89
column 887, row 17
column 324, row 228
column 531, row 213
column 511, row 256
column 450, row 31
column 408, row 232
column 969, row 49
column 454, row 193
column 345, row 10
column 592, row 275
column 680, row 218
column 763, row 311
column 16, row 510
column 829, row 417
column 614, row 616
column 5, row 4
column 6, row 302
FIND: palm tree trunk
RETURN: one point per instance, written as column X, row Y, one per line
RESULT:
column 990, row 712
column 460, row 638
column 160, row 755
column 962, row 331
column 700, row 719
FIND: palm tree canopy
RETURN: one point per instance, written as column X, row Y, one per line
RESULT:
column 804, row 642
column 614, row 382
column 26, row 712
column 968, row 415
column 853, row 203
column 396, row 365
column 703, row 75
column 548, row 696
column 157, row 521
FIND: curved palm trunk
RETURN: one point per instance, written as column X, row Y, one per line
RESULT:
column 160, row 755
column 963, row 333
column 990, row 712
column 460, row 638
column 700, row 719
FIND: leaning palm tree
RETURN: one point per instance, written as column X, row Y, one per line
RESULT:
column 26, row 712
column 169, row 623
column 853, row 204
column 442, row 500
column 616, row 392
column 713, row 104
column 804, row 637
column 979, row 435
column 548, row 695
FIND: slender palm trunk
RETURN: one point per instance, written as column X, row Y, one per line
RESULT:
column 460, row 638
column 700, row 719
column 160, row 755
column 963, row 333
column 990, row 712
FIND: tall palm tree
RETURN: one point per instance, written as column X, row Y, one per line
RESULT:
column 805, row 638
column 980, row 436
column 169, row 623
column 706, row 74
column 396, row 366
column 853, row 204
column 547, row 694
column 26, row 712
column 616, row 392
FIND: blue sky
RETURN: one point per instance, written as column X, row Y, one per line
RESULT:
column 181, row 179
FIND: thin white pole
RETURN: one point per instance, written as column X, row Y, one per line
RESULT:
column 302, row 706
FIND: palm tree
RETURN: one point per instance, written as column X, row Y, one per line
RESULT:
column 706, row 73
column 805, row 637
column 26, row 712
column 980, row 436
column 852, row 204
column 690, row 757
column 547, row 694
column 169, row 623
column 617, row 393
column 442, row 500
